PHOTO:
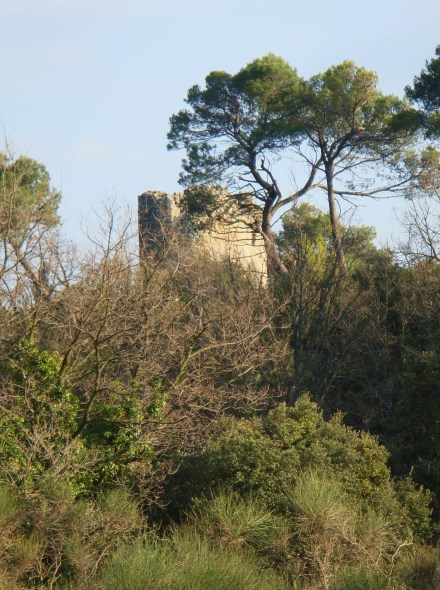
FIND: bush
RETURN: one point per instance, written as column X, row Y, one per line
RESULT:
column 332, row 533
column 47, row 428
column 47, row 536
column 416, row 504
column 321, row 534
column 363, row 580
column 229, row 520
column 185, row 561
column 264, row 457
column 421, row 568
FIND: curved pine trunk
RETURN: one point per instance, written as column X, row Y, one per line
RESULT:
column 275, row 265
column 334, row 219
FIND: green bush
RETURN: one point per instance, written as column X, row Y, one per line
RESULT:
column 47, row 428
column 264, row 457
column 331, row 532
column 420, row 569
column 319, row 498
column 229, row 520
column 416, row 505
column 364, row 579
column 185, row 561
column 47, row 535
column 9, row 509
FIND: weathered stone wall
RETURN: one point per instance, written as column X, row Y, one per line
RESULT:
column 228, row 237
column 157, row 214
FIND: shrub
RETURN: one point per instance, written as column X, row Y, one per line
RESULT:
column 185, row 561
column 264, row 457
column 9, row 509
column 48, row 536
column 47, row 428
column 332, row 533
column 416, row 504
column 421, row 568
column 322, row 532
column 363, row 579
column 229, row 520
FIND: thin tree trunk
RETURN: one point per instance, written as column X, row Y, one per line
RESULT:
column 334, row 219
column 275, row 265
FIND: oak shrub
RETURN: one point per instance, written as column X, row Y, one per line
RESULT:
column 264, row 456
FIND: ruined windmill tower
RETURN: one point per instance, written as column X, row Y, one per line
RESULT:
column 227, row 235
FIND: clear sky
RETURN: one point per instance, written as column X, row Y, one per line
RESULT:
column 88, row 86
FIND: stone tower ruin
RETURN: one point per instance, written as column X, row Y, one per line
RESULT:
column 229, row 236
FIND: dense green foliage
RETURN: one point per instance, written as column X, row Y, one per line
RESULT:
column 42, row 431
column 338, row 124
column 263, row 457
column 26, row 197
column 426, row 91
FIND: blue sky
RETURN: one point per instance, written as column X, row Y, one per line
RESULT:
column 88, row 86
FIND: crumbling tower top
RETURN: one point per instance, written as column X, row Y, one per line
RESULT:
column 158, row 212
column 227, row 236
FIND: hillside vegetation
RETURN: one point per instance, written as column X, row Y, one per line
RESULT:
column 174, row 423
